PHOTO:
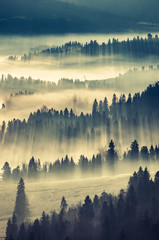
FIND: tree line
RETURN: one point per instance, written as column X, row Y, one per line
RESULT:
column 137, row 47
column 132, row 214
column 36, row 85
column 67, row 168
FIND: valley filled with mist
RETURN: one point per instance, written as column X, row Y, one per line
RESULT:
column 78, row 115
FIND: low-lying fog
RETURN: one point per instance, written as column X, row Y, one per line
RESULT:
column 72, row 67
column 18, row 45
column 77, row 67
column 47, row 195
column 79, row 100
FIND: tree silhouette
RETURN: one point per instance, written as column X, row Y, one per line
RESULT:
column 22, row 232
column 21, row 204
column 6, row 172
column 8, row 229
column 133, row 214
column 95, row 107
column 134, row 152
column 14, row 230
column 111, row 153
column 144, row 153
column 63, row 204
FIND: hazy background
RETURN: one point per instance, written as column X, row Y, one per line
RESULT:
column 73, row 67
column 26, row 24
column 53, row 16
column 139, row 9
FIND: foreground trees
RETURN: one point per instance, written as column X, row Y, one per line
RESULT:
column 21, row 212
column 133, row 214
column 12, row 228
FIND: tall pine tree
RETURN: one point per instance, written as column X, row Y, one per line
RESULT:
column 21, row 204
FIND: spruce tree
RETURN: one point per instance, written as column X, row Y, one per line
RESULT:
column 8, row 229
column 6, row 172
column 21, row 204
column 111, row 153
column 14, row 227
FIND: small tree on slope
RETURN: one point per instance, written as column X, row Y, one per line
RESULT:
column 21, row 203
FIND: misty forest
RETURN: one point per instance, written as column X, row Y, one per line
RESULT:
column 79, row 120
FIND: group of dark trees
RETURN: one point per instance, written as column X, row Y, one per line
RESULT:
column 21, row 211
column 124, row 120
column 137, row 47
column 22, row 84
column 144, row 154
column 67, row 168
column 133, row 214
column 20, row 93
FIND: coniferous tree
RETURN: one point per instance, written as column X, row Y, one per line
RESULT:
column 16, row 173
column 33, row 168
column 21, row 204
column 152, row 152
column 6, row 172
column 95, row 108
column 63, row 204
column 134, row 152
column 8, row 229
column 111, row 153
column 105, row 106
column 22, row 232
column 157, row 179
column 14, row 226
column 144, row 153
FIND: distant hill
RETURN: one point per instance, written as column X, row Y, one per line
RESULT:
column 48, row 17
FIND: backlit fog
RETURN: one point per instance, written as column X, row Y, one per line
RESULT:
column 33, row 128
column 73, row 67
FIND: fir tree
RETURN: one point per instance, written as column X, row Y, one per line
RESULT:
column 8, row 229
column 6, row 172
column 21, row 203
